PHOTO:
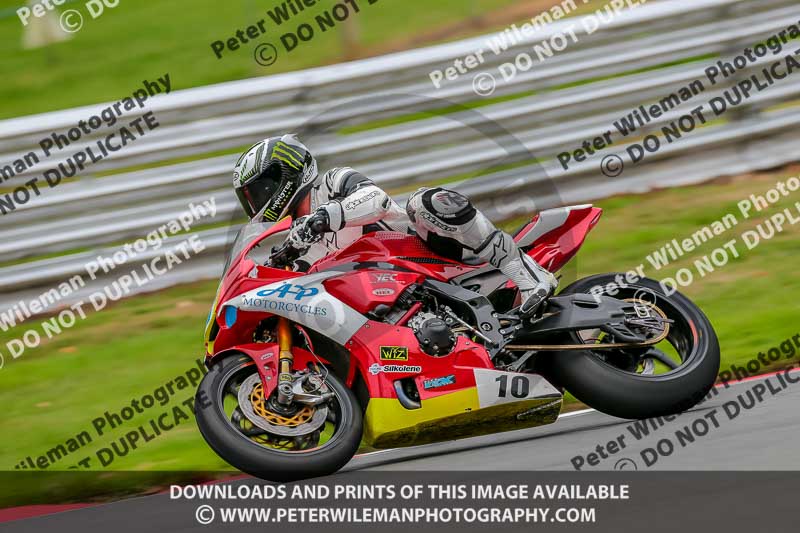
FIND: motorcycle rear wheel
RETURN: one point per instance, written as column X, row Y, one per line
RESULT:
column 270, row 457
column 597, row 379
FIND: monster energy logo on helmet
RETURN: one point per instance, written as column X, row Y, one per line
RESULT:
column 288, row 155
column 272, row 176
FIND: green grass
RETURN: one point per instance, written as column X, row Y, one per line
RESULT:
column 111, row 55
column 55, row 391
column 117, row 355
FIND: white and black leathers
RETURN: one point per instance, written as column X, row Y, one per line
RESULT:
column 446, row 220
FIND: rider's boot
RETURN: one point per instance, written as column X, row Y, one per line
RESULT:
column 535, row 283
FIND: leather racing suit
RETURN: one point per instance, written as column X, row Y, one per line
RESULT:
column 444, row 219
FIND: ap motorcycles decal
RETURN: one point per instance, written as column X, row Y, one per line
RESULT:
column 497, row 387
column 304, row 300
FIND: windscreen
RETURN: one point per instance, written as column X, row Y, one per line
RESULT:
column 247, row 234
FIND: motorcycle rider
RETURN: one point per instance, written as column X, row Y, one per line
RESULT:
column 278, row 177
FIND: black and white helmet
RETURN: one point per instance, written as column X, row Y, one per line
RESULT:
column 272, row 176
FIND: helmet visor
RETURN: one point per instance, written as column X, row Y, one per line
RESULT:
column 258, row 190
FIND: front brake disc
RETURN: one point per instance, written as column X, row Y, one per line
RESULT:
column 256, row 408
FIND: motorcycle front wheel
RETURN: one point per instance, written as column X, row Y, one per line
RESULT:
column 273, row 442
column 666, row 379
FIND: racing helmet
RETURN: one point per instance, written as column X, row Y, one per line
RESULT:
column 273, row 176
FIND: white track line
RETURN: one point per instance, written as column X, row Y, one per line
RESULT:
column 576, row 413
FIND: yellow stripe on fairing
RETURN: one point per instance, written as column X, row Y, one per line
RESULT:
column 385, row 415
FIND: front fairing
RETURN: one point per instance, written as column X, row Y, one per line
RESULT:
column 250, row 248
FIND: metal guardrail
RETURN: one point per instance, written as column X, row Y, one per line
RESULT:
column 579, row 92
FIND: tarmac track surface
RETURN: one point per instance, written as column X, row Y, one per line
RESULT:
column 761, row 438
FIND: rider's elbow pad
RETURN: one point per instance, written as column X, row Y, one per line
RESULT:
column 366, row 205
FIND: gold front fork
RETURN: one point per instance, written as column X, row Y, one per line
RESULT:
column 285, row 360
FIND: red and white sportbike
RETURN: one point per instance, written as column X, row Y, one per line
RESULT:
column 385, row 344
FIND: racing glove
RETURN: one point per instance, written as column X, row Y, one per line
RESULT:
column 304, row 232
